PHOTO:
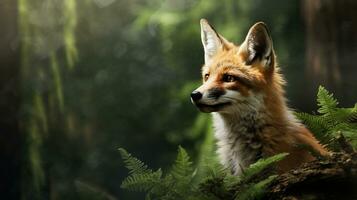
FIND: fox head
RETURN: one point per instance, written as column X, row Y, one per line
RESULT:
column 236, row 75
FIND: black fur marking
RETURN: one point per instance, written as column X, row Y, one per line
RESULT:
column 215, row 93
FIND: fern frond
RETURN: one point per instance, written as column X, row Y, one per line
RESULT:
column 349, row 130
column 232, row 181
column 142, row 182
column 353, row 116
column 165, row 187
column 343, row 114
column 255, row 191
column 183, row 166
column 343, row 127
column 178, row 184
column 319, row 125
column 346, row 114
column 326, row 101
column 215, row 187
column 262, row 164
column 351, row 137
column 331, row 120
column 134, row 165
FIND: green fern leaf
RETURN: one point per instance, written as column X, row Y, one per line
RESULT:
column 183, row 166
column 261, row 164
column 326, row 101
column 347, row 129
column 353, row 117
column 214, row 187
column 319, row 125
column 142, row 182
column 344, row 114
column 351, row 137
column 315, row 123
column 134, row 165
column 255, row 191
column 331, row 121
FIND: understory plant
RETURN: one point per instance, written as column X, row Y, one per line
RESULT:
column 181, row 181
column 330, row 121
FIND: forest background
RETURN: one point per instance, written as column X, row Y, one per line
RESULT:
column 79, row 79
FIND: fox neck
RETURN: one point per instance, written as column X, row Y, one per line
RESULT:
column 238, row 133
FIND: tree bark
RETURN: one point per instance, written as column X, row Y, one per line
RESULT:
column 10, row 136
column 334, row 178
column 331, row 46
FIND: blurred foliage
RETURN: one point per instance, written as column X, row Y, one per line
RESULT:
column 180, row 182
column 98, row 74
column 46, row 33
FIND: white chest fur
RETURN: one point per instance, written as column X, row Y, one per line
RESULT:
column 238, row 142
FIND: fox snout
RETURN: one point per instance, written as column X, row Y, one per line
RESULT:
column 196, row 96
column 214, row 93
column 209, row 100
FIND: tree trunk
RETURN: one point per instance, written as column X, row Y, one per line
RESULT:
column 331, row 46
column 10, row 136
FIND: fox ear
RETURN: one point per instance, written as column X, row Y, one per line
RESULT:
column 211, row 41
column 258, row 45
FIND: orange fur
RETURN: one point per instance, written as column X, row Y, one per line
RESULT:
column 282, row 133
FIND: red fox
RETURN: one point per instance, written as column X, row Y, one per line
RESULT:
column 243, row 89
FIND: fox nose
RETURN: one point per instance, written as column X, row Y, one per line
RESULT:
column 196, row 95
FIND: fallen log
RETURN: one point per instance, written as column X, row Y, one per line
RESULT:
column 333, row 178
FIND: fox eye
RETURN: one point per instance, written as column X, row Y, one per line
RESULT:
column 229, row 78
column 206, row 77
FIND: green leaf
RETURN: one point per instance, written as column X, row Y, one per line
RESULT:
column 262, row 164
column 183, row 166
column 344, row 114
column 319, row 125
column 134, row 165
column 178, row 184
column 331, row 120
column 255, row 191
column 142, row 182
column 326, row 101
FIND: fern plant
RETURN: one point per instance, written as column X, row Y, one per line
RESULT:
column 156, row 185
column 250, row 185
column 331, row 120
column 180, row 181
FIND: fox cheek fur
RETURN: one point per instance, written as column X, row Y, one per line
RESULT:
column 243, row 89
